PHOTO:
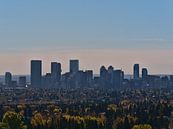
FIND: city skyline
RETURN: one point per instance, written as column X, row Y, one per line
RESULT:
column 118, row 33
column 108, row 77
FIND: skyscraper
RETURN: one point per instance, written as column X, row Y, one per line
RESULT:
column 103, row 72
column 118, row 78
column 144, row 73
column 110, row 76
column 36, row 73
column 8, row 79
column 22, row 81
column 74, row 66
column 47, row 81
column 55, row 72
column 136, row 72
column 103, row 76
column 89, row 77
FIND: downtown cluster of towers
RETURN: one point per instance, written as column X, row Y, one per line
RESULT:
column 73, row 78
column 108, row 78
column 76, row 78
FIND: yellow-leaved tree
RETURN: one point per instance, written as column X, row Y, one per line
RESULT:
column 145, row 126
column 12, row 120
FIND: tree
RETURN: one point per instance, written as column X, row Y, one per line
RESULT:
column 118, row 123
column 145, row 126
column 38, row 121
column 12, row 120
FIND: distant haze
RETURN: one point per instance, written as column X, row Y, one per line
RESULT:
column 157, row 62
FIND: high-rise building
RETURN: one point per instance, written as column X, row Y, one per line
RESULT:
column 171, row 78
column 55, row 72
column 110, row 76
column 110, row 69
column 118, row 78
column 47, row 80
column 8, row 79
column 136, row 72
column 103, row 72
column 144, row 73
column 74, row 66
column 103, row 76
column 89, row 77
column 22, row 81
column 36, row 73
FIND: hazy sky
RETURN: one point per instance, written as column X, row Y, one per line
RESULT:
column 116, row 32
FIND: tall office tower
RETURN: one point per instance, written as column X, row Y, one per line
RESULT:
column 74, row 66
column 47, row 80
column 22, row 81
column 110, row 76
column 103, row 72
column 122, row 74
column 55, row 72
column 8, row 79
column 144, row 73
column 36, row 73
column 118, row 78
column 103, row 76
column 89, row 77
column 136, row 72
column 171, row 78
column 110, row 69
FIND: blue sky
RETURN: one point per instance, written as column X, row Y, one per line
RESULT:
column 86, row 24
column 55, row 25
